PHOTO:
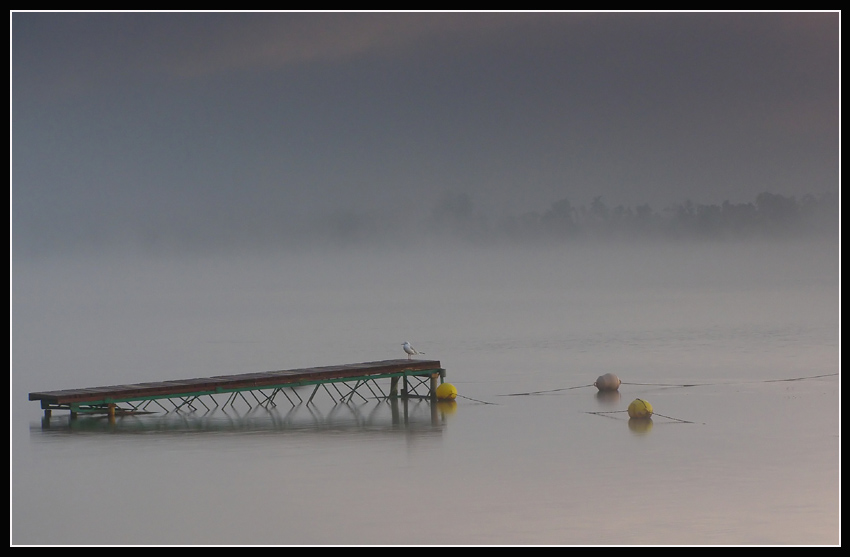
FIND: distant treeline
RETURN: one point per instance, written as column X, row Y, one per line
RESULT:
column 452, row 220
column 769, row 216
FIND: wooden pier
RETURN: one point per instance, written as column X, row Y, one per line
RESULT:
column 190, row 394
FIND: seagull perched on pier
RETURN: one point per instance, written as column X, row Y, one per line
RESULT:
column 410, row 350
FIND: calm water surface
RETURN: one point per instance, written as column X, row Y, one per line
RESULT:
column 529, row 453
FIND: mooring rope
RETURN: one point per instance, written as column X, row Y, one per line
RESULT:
column 548, row 391
column 653, row 414
column 474, row 400
column 677, row 419
column 675, row 384
column 800, row 378
column 668, row 384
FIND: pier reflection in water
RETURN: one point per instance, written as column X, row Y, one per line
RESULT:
column 394, row 414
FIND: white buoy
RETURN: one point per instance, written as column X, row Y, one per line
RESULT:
column 608, row 382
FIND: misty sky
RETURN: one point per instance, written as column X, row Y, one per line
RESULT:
column 186, row 119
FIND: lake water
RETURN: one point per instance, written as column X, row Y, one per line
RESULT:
column 529, row 454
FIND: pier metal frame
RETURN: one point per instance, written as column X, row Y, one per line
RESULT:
column 416, row 383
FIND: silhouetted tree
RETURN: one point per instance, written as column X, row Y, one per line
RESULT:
column 777, row 213
column 645, row 220
column 740, row 220
column 598, row 210
column 709, row 220
column 454, row 215
column 560, row 219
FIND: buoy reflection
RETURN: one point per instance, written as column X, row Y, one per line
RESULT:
column 608, row 397
column 640, row 426
column 447, row 407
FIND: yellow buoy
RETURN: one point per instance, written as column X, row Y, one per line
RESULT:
column 608, row 382
column 446, row 391
column 640, row 408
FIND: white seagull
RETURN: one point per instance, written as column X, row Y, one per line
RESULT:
column 410, row 350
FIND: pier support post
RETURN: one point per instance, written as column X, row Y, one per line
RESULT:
column 393, row 387
column 394, row 411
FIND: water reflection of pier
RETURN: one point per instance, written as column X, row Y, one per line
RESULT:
column 422, row 416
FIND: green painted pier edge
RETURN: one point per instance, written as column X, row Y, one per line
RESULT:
column 190, row 394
